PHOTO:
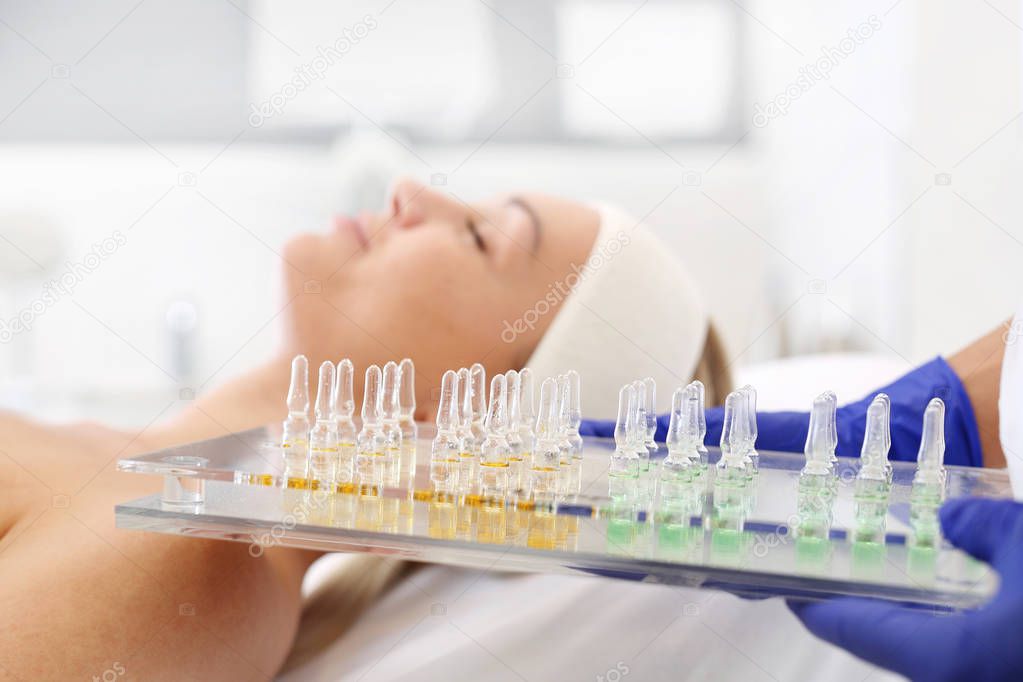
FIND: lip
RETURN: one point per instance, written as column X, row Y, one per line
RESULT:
column 347, row 224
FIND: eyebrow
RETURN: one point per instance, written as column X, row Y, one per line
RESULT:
column 533, row 219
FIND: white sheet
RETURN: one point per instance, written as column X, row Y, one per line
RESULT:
column 446, row 623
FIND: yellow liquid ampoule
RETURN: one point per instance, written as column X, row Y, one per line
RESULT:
column 295, row 454
column 467, row 471
column 300, row 483
column 346, row 455
column 323, row 464
column 544, row 480
column 494, row 477
column 516, row 462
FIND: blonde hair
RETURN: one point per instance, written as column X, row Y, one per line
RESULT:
column 330, row 610
column 713, row 368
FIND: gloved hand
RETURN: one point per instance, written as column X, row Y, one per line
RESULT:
column 979, row 645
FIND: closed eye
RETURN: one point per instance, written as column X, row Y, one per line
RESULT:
column 474, row 231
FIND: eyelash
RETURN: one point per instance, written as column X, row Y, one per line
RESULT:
column 474, row 231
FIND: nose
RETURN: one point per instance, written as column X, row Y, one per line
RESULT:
column 413, row 203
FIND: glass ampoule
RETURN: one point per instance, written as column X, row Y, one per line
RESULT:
column 874, row 464
column 677, row 466
column 889, row 469
column 928, row 491
column 527, row 418
column 444, row 459
column 469, row 445
column 929, row 480
column 817, row 486
column 295, row 429
column 571, row 416
column 734, row 467
column 640, row 408
column 478, row 396
column 752, row 456
column 407, row 418
column 870, row 508
column 546, row 464
column 650, row 415
column 390, row 413
column 820, row 445
column 832, row 427
column 323, row 448
column 701, row 446
column 732, row 498
column 625, row 460
column 514, row 431
column 372, row 444
column 566, row 483
column 494, row 450
column 343, row 410
column 629, row 485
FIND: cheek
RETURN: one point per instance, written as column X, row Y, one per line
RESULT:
column 448, row 286
column 440, row 295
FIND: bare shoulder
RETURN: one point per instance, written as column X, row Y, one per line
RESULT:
column 78, row 595
column 60, row 459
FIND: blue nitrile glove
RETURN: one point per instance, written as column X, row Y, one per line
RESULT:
column 910, row 393
column 983, row 645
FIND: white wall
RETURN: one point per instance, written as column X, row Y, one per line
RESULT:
column 823, row 199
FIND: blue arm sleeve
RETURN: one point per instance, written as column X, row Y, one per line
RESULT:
column 786, row 431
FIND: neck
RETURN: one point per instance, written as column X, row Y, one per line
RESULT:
column 251, row 399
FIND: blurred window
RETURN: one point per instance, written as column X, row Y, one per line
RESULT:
column 523, row 70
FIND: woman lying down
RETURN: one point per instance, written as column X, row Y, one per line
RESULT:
column 524, row 280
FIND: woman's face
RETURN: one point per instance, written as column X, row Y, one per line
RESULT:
column 432, row 278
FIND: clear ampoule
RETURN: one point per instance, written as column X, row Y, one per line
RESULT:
column 372, row 444
column 323, row 451
column 390, row 414
column 343, row 410
column 650, row 415
column 546, row 464
column 494, row 450
column 407, row 419
column 514, row 431
column 469, row 445
column 444, row 460
column 640, row 408
column 295, row 429
column 571, row 418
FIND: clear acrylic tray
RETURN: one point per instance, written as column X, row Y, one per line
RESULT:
column 752, row 541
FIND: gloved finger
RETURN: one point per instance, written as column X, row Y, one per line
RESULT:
column 597, row 428
column 883, row 634
column 990, row 530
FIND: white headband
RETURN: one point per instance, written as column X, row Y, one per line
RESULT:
column 633, row 312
